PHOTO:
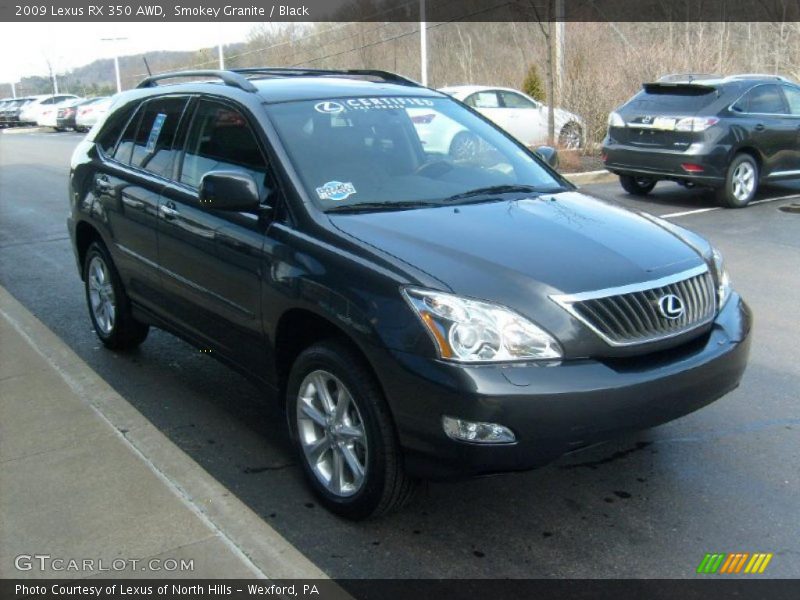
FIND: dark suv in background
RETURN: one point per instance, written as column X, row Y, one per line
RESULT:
column 417, row 314
column 726, row 133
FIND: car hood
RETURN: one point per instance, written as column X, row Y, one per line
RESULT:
column 520, row 252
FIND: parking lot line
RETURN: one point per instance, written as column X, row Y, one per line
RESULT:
column 703, row 210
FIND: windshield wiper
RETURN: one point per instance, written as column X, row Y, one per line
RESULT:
column 378, row 206
column 495, row 190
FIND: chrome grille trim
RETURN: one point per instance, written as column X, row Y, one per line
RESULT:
column 628, row 315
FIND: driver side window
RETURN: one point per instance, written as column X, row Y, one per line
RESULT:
column 220, row 138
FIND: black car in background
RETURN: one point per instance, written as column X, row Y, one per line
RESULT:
column 418, row 315
column 726, row 133
column 65, row 117
column 9, row 111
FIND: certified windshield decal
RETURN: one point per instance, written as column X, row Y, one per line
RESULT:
column 336, row 190
column 386, row 102
column 328, row 108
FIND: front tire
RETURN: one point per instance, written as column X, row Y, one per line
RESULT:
column 344, row 433
column 109, row 306
column 637, row 186
column 741, row 182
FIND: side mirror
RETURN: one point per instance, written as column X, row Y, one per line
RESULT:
column 548, row 154
column 229, row 190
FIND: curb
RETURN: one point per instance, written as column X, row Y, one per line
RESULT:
column 266, row 552
column 16, row 130
column 587, row 177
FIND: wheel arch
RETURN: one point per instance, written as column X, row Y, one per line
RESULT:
column 85, row 234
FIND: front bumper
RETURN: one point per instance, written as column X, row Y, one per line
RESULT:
column 661, row 163
column 556, row 409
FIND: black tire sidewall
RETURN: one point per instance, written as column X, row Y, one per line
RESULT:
column 98, row 250
column 630, row 184
column 338, row 360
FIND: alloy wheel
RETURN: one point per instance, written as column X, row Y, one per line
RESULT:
column 331, row 433
column 101, row 295
column 743, row 180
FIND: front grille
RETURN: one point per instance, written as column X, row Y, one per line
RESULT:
column 631, row 314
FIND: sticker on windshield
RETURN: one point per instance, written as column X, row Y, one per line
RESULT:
column 336, row 190
column 155, row 132
column 328, row 108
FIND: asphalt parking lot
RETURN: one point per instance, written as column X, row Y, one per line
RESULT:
column 724, row 479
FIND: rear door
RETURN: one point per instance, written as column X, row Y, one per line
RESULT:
column 211, row 260
column 487, row 102
column 764, row 116
column 129, row 186
column 792, row 94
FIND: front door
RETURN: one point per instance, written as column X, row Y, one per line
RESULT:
column 212, row 260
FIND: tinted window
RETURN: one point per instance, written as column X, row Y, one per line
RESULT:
column 221, row 139
column 512, row 100
column 152, row 147
column 483, row 100
column 793, row 98
column 108, row 136
column 123, row 151
column 686, row 99
column 763, row 99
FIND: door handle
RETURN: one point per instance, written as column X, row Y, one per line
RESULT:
column 759, row 127
column 102, row 184
column 168, row 212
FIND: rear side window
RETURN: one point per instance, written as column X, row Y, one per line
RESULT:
column 221, row 139
column 152, row 146
column 671, row 99
column 764, row 99
column 108, row 136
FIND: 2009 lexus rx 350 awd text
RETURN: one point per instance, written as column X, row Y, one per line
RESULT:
column 419, row 315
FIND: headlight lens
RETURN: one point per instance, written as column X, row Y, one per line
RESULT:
column 721, row 277
column 473, row 331
column 615, row 120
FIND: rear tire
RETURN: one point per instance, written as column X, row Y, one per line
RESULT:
column 571, row 136
column 741, row 182
column 344, row 435
column 109, row 305
column 637, row 186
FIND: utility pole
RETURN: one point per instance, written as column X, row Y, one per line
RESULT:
column 13, row 90
column 423, row 43
column 221, row 54
column 560, row 44
column 116, row 59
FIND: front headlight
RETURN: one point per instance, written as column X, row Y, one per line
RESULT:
column 615, row 120
column 721, row 277
column 467, row 330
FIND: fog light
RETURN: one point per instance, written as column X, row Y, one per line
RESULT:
column 477, row 433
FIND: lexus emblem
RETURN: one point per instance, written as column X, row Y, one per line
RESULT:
column 671, row 306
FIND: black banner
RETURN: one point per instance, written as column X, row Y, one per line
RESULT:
column 396, row 589
column 399, row 10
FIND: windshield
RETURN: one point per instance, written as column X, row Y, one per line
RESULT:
column 400, row 152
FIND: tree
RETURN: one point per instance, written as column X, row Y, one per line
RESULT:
column 533, row 84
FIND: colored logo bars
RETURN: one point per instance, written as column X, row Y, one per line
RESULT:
column 736, row 562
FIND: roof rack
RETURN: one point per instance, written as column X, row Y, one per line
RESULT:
column 686, row 77
column 230, row 78
column 759, row 76
column 386, row 76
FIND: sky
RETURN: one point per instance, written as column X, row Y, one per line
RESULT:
column 25, row 47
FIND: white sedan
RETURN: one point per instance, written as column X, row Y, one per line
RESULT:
column 520, row 115
column 48, row 114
